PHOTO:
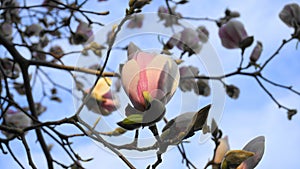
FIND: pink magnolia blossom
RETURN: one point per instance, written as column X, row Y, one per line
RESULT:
column 186, row 40
column 232, row 34
column 33, row 30
column 149, row 73
column 83, row 33
column 136, row 21
column 188, row 84
column 203, row 33
column 11, row 14
column 102, row 100
column 6, row 29
column 163, row 14
column 16, row 119
column 290, row 15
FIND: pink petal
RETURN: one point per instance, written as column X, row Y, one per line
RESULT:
column 143, row 59
column 130, row 78
column 164, row 75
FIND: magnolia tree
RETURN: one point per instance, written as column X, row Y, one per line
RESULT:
column 137, row 81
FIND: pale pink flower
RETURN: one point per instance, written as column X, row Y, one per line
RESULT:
column 136, row 21
column 6, row 29
column 186, row 40
column 16, row 119
column 83, row 33
column 163, row 14
column 290, row 15
column 149, row 73
column 187, row 82
column 102, row 100
column 33, row 30
column 232, row 34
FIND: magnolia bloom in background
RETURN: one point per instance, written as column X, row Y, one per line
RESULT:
column 15, row 119
column 11, row 14
column 290, row 15
column 33, row 30
column 56, row 51
column 10, row 69
column 83, row 33
column 6, row 30
column 203, row 34
column 163, row 14
column 222, row 149
column 187, row 82
column 256, row 52
column 187, row 40
column 149, row 75
column 102, row 101
column 203, row 87
column 136, row 21
column 232, row 34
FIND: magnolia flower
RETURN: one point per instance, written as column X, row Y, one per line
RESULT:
column 6, row 29
column 83, row 33
column 222, row 149
column 33, row 30
column 101, row 100
column 202, row 33
column 163, row 14
column 11, row 14
column 186, row 40
column 256, row 52
column 56, row 51
column 10, row 69
column 149, row 75
column 232, row 34
column 36, row 52
column 187, row 82
column 15, row 119
column 136, row 21
column 202, row 87
column 290, row 15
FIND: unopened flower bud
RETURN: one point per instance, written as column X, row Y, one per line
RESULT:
column 232, row 34
column 232, row 91
column 256, row 52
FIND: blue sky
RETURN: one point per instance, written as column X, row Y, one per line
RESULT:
column 253, row 114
